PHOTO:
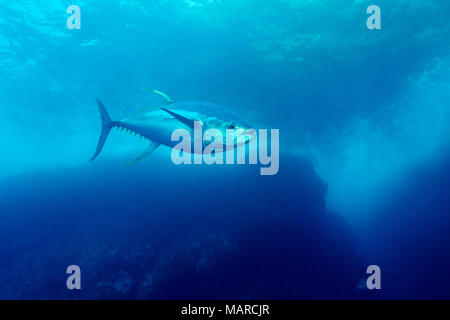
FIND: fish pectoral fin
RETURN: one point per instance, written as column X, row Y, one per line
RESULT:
column 166, row 97
column 152, row 147
column 186, row 121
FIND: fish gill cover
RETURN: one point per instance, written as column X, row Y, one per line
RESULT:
column 360, row 113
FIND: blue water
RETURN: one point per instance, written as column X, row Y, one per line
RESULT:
column 364, row 150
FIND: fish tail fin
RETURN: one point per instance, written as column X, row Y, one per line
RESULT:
column 107, row 125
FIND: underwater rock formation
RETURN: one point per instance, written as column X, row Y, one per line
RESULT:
column 158, row 231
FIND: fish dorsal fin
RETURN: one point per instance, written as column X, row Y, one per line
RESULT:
column 166, row 97
column 186, row 121
column 152, row 147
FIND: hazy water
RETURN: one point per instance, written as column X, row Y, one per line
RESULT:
column 365, row 107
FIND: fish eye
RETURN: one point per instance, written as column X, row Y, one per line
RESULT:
column 232, row 125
